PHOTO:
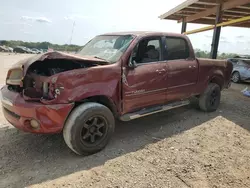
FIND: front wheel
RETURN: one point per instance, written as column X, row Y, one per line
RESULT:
column 236, row 77
column 89, row 128
column 209, row 101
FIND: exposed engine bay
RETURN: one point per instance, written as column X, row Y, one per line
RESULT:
column 50, row 67
column 38, row 83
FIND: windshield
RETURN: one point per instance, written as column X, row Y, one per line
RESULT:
column 107, row 47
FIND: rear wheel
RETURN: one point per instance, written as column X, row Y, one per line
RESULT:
column 89, row 128
column 236, row 77
column 209, row 101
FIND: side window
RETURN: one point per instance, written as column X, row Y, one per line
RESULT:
column 176, row 48
column 155, row 43
column 147, row 50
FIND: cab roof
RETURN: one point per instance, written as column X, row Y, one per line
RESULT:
column 145, row 33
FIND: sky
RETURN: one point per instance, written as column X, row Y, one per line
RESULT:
column 52, row 21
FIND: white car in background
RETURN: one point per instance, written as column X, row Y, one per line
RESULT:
column 241, row 70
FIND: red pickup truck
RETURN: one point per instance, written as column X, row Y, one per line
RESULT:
column 114, row 76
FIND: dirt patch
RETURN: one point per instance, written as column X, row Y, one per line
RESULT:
column 180, row 148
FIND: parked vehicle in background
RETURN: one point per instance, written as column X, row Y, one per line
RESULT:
column 10, row 49
column 30, row 50
column 43, row 50
column 233, row 61
column 36, row 51
column 242, row 57
column 5, row 49
column 117, row 75
column 22, row 49
column 241, row 69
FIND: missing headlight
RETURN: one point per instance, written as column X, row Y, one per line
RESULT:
column 45, row 89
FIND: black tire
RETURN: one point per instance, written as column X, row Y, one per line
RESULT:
column 236, row 77
column 85, row 124
column 209, row 101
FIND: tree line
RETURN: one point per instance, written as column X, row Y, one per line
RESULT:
column 40, row 45
column 205, row 54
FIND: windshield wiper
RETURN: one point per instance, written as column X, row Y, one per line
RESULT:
column 102, row 59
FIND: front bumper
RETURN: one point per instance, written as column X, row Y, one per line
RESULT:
column 19, row 113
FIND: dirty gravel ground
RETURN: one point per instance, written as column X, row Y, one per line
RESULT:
column 179, row 148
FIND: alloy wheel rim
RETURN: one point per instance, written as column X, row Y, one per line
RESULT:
column 213, row 98
column 94, row 130
column 235, row 77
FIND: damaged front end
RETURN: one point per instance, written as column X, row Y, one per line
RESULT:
column 37, row 79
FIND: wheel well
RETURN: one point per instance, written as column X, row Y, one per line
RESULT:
column 235, row 72
column 218, row 81
column 102, row 100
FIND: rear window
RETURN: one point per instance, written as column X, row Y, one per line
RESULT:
column 176, row 48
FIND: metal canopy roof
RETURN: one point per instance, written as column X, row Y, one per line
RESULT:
column 204, row 12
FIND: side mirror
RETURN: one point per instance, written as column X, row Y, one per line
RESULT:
column 132, row 63
column 132, row 60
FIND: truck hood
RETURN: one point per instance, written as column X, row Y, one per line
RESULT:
column 25, row 63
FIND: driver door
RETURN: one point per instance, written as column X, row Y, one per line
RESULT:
column 146, row 84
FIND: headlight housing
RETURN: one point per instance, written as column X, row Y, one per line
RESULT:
column 14, row 77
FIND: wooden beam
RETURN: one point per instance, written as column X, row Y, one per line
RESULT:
column 205, row 3
column 244, row 7
column 213, row 18
column 203, row 21
column 232, row 15
column 197, row 8
column 211, row 22
column 178, row 8
column 181, row 14
column 190, row 11
column 236, row 11
column 223, row 24
column 231, row 22
column 226, row 5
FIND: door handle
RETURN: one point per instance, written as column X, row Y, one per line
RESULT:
column 191, row 66
column 161, row 70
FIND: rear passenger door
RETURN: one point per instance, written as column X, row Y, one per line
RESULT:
column 182, row 68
